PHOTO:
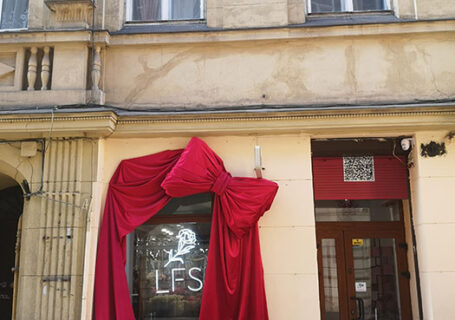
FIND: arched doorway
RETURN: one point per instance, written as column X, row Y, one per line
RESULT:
column 11, row 206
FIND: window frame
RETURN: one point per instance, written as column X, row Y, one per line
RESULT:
column 348, row 8
column 13, row 29
column 165, row 11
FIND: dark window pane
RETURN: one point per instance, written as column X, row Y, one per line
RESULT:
column 357, row 210
column 196, row 204
column 325, row 6
column 146, row 10
column 330, row 274
column 368, row 5
column 186, row 9
column 14, row 14
column 376, row 278
column 161, row 10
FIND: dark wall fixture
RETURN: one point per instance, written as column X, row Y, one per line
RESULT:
column 432, row 149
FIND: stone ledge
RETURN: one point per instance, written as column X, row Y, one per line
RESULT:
column 42, row 98
column 29, row 37
column 74, row 124
column 149, row 34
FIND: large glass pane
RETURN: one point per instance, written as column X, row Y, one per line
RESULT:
column 14, row 14
column 357, row 210
column 146, row 10
column 168, row 270
column 329, row 271
column 161, row 10
column 327, row 6
column 376, row 279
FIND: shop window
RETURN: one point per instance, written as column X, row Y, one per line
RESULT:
column 334, row 6
column 167, row 258
column 165, row 10
column 14, row 14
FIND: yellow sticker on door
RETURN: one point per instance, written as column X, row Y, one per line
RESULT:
column 357, row 242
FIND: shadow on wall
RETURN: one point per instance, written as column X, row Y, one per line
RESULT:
column 11, row 205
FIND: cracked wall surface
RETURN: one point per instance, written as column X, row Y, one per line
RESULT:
column 346, row 70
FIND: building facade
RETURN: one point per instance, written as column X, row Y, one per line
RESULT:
column 329, row 90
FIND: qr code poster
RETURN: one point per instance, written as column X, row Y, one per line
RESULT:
column 357, row 169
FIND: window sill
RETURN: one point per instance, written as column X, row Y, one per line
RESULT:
column 132, row 27
column 315, row 27
column 13, row 29
column 350, row 18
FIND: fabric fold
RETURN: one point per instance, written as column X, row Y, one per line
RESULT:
column 234, row 281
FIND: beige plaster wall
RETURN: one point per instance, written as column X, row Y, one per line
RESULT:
column 113, row 14
column 254, row 13
column 37, row 10
column 69, row 70
column 433, row 186
column 430, row 9
column 287, row 231
column 308, row 71
column 54, row 229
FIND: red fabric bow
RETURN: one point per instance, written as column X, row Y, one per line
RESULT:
column 234, row 281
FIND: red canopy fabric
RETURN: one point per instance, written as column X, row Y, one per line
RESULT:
column 234, row 279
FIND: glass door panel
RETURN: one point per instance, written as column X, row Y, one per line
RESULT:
column 330, row 279
column 375, row 279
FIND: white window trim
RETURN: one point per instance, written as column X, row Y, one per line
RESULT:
column 166, row 9
column 348, row 6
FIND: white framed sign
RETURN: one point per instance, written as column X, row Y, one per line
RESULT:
column 360, row 286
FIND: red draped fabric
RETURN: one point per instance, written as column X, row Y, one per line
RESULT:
column 234, row 279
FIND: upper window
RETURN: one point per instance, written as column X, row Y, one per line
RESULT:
column 14, row 14
column 332, row 6
column 165, row 10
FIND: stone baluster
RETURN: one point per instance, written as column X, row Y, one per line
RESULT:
column 32, row 67
column 96, row 68
column 45, row 68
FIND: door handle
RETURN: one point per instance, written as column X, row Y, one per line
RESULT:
column 361, row 306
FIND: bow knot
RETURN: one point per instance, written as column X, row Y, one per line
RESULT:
column 221, row 183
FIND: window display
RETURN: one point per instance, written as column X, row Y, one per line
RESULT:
column 167, row 261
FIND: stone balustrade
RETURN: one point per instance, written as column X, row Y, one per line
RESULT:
column 38, row 74
column 39, row 66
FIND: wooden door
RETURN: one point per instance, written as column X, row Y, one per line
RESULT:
column 363, row 272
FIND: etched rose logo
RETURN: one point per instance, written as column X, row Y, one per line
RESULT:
column 187, row 241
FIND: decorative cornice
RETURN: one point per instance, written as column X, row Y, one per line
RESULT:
column 28, row 37
column 47, row 119
column 270, row 117
column 68, row 124
column 117, row 123
column 346, row 121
